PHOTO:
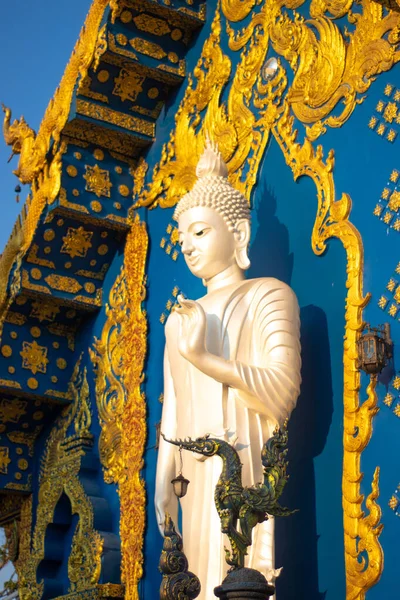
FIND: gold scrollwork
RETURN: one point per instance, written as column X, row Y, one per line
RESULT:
column 332, row 69
column 121, row 403
column 108, row 358
column 108, row 115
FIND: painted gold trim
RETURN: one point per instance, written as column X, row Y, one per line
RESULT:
column 118, row 358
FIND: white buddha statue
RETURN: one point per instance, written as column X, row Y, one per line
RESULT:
column 231, row 369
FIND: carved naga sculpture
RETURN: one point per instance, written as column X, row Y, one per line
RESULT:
column 248, row 505
column 23, row 141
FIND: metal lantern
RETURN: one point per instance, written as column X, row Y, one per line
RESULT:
column 179, row 482
column 180, row 485
column 374, row 349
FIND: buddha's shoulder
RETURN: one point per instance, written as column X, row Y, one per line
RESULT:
column 268, row 285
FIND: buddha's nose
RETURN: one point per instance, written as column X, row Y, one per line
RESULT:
column 187, row 247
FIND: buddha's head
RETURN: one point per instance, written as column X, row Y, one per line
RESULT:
column 213, row 220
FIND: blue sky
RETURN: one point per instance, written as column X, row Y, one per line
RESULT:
column 36, row 40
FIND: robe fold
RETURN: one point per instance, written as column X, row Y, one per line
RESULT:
column 255, row 324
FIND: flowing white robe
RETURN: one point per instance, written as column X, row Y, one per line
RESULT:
column 254, row 323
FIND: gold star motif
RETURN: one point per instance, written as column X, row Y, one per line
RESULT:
column 388, row 400
column 382, row 302
column 393, row 310
column 396, row 382
column 378, row 210
column 397, row 295
column 381, row 129
column 391, row 136
column 391, row 285
column 396, row 95
column 390, row 112
column 393, row 502
column 394, row 202
column 380, row 106
column 128, row 85
column 396, row 225
column 387, row 218
column 394, row 176
column 396, row 410
column 77, row 242
column 385, row 194
column 34, row 357
column 174, row 237
column 372, row 122
column 388, row 89
column 98, row 181
column 398, row 269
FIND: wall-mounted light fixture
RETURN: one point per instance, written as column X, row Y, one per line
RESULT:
column 375, row 348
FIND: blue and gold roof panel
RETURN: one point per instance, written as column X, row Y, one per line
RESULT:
column 21, row 421
column 97, row 183
column 36, row 358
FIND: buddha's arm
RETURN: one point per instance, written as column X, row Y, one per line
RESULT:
column 165, row 499
column 270, row 390
column 271, row 387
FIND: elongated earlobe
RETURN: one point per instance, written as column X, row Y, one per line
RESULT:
column 242, row 259
column 242, row 235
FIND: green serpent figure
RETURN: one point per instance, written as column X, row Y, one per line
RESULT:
column 246, row 505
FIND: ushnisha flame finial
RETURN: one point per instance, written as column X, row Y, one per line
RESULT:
column 211, row 163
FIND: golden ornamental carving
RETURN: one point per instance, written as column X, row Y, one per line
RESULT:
column 118, row 358
column 103, row 113
column 331, row 71
column 111, row 394
column 59, row 474
column 63, row 283
column 76, row 242
column 153, row 25
column 139, row 175
column 98, row 181
column 148, row 48
column 34, row 357
column 128, row 85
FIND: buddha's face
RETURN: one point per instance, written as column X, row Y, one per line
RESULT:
column 207, row 244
